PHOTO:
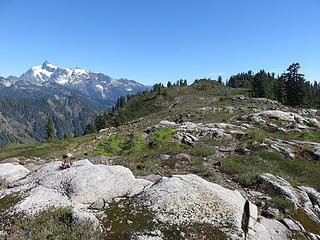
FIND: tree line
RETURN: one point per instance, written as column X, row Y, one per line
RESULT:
column 290, row 88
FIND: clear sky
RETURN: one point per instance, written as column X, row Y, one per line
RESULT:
column 160, row 40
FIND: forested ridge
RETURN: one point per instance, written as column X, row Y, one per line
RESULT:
column 23, row 120
column 290, row 88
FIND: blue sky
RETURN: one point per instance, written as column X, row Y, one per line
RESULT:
column 156, row 41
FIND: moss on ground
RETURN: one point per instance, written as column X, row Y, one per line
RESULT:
column 126, row 219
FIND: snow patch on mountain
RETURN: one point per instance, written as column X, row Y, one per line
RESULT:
column 87, row 82
column 40, row 73
column 78, row 71
column 99, row 87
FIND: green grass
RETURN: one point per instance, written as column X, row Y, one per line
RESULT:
column 202, row 150
column 53, row 224
column 52, row 149
column 300, row 170
column 306, row 136
column 308, row 223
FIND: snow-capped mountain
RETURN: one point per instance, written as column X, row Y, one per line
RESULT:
column 85, row 81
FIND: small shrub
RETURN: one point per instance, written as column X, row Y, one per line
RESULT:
column 163, row 135
column 256, row 135
column 281, row 204
column 135, row 143
column 111, row 146
column 52, row 223
column 312, row 123
column 247, row 179
column 306, row 135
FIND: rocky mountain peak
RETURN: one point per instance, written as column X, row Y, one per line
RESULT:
column 87, row 82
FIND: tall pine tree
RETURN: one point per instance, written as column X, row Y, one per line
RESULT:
column 49, row 130
column 295, row 86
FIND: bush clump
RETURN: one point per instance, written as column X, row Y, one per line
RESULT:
column 306, row 136
column 255, row 135
column 281, row 204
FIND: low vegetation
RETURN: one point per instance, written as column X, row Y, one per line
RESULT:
column 244, row 168
column 52, row 223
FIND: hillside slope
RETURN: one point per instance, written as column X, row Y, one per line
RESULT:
column 265, row 151
column 22, row 120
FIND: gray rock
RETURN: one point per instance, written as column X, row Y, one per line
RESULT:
column 3, row 234
column 315, row 151
column 80, row 186
column 147, row 237
column 218, row 133
column 281, row 116
column 164, row 157
column 291, row 224
column 152, row 178
column 238, row 133
column 10, row 172
column 300, row 197
column 269, row 229
column 183, row 156
column 167, row 123
column 140, row 185
column 186, row 138
column 186, row 199
column 13, row 160
column 271, row 213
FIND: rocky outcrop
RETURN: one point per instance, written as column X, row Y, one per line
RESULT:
column 80, row 186
column 257, row 100
column 10, row 172
column 185, row 202
column 306, row 198
column 188, row 199
column 287, row 117
column 181, row 200
column 215, row 130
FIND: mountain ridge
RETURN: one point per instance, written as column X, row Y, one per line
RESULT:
column 85, row 81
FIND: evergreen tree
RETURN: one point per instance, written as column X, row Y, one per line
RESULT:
column 89, row 129
column 220, row 79
column 49, row 129
column 76, row 133
column 185, row 83
column 261, row 86
column 280, row 89
column 100, row 122
column 65, row 136
column 169, row 84
column 295, row 86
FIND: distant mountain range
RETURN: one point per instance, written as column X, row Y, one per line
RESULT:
column 96, row 86
column 72, row 97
